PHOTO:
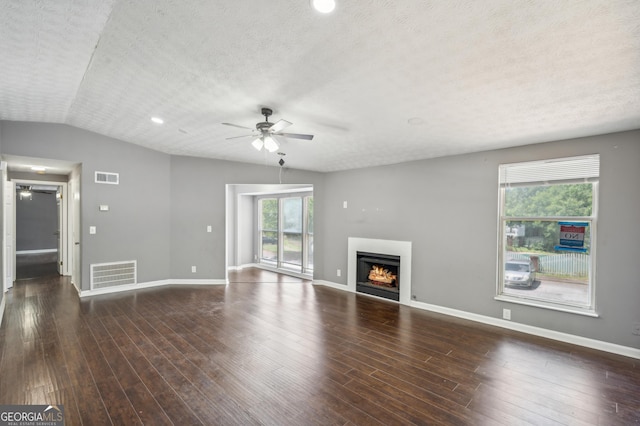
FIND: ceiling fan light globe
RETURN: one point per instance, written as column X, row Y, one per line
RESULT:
column 257, row 144
column 270, row 144
column 323, row 6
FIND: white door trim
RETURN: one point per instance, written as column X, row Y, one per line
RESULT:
column 65, row 256
column 8, row 237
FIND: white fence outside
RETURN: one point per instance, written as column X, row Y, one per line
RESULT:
column 571, row 264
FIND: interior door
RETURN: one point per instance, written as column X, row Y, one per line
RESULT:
column 59, row 231
column 9, row 234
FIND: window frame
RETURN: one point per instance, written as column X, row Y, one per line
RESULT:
column 280, row 264
column 582, row 309
column 260, row 230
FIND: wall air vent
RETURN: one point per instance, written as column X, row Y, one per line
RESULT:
column 113, row 274
column 106, row 177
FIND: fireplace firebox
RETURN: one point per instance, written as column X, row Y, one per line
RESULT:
column 378, row 275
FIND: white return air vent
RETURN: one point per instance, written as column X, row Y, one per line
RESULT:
column 107, row 177
column 113, row 274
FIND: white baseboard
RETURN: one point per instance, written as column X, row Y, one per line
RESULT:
column 342, row 287
column 2, row 305
column 198, row 282
column 149, row 284
column 523, row 328
column 241, row 267
column 76, row 287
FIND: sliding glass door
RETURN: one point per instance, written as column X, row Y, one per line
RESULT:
column 285, row 227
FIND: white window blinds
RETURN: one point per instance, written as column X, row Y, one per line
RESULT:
column 555, row 171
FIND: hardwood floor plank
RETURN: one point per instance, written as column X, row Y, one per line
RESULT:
column 146, row 406
column 405, row 405
column 120, row 409
column 91, row 406
column 268, row 349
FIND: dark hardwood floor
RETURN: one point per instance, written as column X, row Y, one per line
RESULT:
column 36, row 265
column 275, row 350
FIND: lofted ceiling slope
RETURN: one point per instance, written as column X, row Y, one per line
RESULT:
column 376, row 82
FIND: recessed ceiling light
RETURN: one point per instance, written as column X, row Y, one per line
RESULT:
column 323, row 6
column 157, row 120
column 38, row 168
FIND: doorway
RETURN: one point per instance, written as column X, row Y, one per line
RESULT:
column 40, row 229
column 284, row 244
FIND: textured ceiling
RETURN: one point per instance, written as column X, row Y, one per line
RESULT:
column 376, row 82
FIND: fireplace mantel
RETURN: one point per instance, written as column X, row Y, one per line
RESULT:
column 390, row 247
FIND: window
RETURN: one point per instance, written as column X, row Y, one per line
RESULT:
column 547, row 231
column 268, row 230
column 309, row 234
column 286, row 232
column 292, row 233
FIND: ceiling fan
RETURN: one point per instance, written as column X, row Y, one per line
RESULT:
column 266, row 132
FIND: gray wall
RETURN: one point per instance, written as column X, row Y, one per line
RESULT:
column 36, row 176
column 137, row 224
column 2, row 248
column 37, row 222
column 193, row 209
column 159, row 212
column 448, row 208
column 245, row 230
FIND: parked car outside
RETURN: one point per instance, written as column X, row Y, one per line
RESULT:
column 519, row 273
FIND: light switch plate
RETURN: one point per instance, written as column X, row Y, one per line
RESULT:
column 104, row 208
column 92, row 230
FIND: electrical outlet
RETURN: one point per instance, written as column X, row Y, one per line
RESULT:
column 193, row 269
column 636, row 329
column 339, row 273
column 506, row 314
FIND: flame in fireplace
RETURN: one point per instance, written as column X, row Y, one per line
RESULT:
column 380, row 276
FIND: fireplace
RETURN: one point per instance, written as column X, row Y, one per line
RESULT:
column 398, row 249
column 378, row 274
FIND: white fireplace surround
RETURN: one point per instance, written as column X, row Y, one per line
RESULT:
column 390, row 247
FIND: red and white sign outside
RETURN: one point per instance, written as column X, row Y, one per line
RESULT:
column 572, row 236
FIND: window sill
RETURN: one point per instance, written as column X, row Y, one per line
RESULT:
column 554, row 307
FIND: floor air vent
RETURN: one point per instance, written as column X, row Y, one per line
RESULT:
column 113, row 274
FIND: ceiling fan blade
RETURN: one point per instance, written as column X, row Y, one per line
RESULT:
column 295, row 136
column 243, row 136
column 236, row 125
column 279, row 125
